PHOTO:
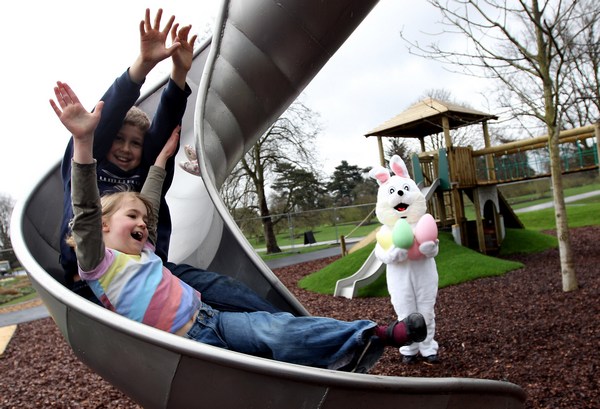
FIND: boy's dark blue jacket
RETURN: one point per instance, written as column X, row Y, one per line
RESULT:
column 119, row 98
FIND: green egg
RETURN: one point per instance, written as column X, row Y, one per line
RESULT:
column 402, row 235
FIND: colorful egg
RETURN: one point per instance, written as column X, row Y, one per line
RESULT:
column 384, row 238
column 414, row 253
column 426, row 229
column 402, row 235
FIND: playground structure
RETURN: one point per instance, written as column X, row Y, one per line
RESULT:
column 451, row 174
column 262, row 55
column 462, row 173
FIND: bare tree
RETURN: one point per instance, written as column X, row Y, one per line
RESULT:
column 237, row 191
column 526, row 45
column 401, row 147
column 289, row 140
column 7, row 204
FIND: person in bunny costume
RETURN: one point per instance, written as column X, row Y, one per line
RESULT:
column 407, row 243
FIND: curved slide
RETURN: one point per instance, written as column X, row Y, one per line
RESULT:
column 370, row 271
column 263, row 54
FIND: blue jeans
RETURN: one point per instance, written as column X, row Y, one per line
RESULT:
column 221, row 292
column 313, row 341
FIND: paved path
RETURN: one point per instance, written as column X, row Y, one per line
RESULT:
column 549, row 204
column 26, row 315
column 303, row 257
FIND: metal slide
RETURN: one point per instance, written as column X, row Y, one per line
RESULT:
column 263, row 54
column 372, row 268
column 370, row 271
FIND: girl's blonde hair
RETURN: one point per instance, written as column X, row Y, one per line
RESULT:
column 111, row 202
column 138, row 118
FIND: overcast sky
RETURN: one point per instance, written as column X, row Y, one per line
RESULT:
column 88, row 44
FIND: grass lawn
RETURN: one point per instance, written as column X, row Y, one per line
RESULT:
column 24, row 298
column 580, row 213
column 530, row 200
column 15, row 289
column 523, row 201
column 457, row 264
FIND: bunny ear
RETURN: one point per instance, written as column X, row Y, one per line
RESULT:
column 380, row 174
column 399, row 167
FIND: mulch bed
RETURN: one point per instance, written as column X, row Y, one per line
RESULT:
column 520, row 327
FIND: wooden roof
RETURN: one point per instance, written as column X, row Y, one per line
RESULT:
column 425, row 118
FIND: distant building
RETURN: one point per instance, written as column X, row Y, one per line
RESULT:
column 4, row 267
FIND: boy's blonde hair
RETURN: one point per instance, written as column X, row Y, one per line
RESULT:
column 138, row 118
column 110, row 203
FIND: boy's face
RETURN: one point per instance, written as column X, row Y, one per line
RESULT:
column 126, row 149
column 125, row 230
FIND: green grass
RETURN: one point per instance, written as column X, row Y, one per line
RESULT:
column 323, row 281
column 581, row 213
column 24, row 298
column 456, row 264
column 521, row 201
column 525, row 241
column 527, row 200
column 16, row 289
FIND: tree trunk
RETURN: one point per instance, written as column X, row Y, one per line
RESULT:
column 567, row 269
column 267, row 222
column 270, row 239
column 569, row 277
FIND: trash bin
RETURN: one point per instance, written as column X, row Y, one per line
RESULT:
column 309, row 238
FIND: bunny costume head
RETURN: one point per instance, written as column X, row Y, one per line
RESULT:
column 398, row 197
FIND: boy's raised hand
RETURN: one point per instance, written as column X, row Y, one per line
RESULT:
column 153, row 48
column 184, row 54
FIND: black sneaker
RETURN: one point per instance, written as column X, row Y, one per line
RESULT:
column 431, row 359
column 416, row 330
column 410, row 359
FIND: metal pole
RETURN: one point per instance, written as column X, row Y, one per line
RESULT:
column 291, row 229
column 335, row 224
column 597, row 132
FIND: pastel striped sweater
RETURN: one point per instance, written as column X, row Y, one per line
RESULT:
column 142, row 289
column 138, row 287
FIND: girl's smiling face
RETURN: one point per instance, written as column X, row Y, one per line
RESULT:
column 126, row 229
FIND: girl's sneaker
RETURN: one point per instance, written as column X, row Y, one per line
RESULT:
column 190, row 167
column 190, row 153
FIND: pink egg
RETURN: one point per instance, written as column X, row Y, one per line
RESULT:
column 426, row 229
column 414, row 253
